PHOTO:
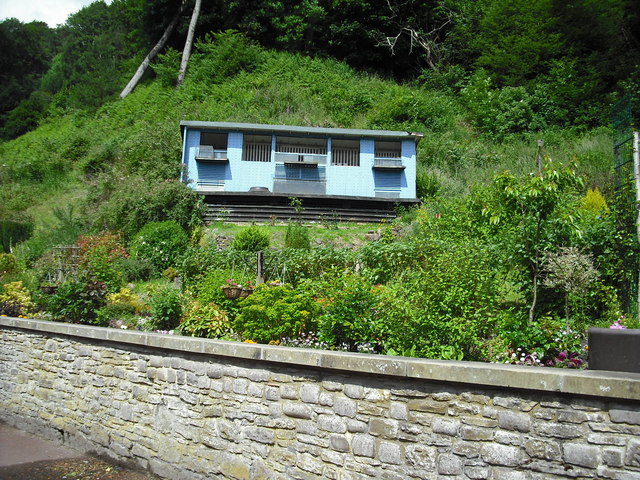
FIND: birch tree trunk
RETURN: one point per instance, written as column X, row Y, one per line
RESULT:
column 189, row 43
column 152, row 53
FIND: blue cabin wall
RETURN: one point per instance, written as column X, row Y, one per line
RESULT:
column 238, row 175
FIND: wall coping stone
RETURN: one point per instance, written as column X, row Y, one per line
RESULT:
column 598, row 383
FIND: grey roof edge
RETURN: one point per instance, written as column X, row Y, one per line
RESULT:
column 299, row 130
column 593, row 383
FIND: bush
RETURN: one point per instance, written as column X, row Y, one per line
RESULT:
column 161, row 243
column 8, row 264
column 274, row 312
column 15, row 300
column 204, row 320
column 99, row 256
column 121, row 306
column 251, row 239
column 297, row 236
column 349, row 320
column 76, row 301
column 139, row 201
column 166, row 308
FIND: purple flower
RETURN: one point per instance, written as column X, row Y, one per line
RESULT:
column 562, row 356
column 617, row 325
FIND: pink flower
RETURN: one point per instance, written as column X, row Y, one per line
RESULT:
column 617, row 325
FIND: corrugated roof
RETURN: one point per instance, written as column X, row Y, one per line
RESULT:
column 296, row 130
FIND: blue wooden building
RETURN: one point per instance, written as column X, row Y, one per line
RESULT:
column 329, row 169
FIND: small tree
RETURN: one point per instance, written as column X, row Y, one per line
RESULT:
column 570, row 270
column 532, row 209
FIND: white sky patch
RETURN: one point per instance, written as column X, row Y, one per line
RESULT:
column 52, row 12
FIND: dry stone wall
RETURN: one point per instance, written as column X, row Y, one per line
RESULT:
column 194, row 409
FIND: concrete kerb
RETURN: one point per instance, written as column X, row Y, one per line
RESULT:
column 602, row 384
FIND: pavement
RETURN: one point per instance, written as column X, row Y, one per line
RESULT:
column 17, row 447
column 27, row 457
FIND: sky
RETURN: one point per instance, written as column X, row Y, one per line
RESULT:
column 52, row 12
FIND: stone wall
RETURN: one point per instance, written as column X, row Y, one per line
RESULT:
column 193, row 409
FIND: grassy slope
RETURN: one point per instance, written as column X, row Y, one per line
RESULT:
column 60, row 162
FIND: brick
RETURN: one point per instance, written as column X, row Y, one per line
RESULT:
column 632, row 455
column 297, row 410
column 398, row 411
column 544, row 449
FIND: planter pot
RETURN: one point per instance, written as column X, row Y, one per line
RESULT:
column 246, row 292
column 232, row 292
column 614, row 349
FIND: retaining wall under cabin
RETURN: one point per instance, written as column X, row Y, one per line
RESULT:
column 189, row 408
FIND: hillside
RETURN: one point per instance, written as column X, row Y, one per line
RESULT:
column 92, row 160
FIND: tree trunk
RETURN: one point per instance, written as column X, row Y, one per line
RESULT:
column 151, row 55
column 189, row 43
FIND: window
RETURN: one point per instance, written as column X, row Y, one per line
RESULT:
column 345, row 152
column 213, row 147
column 388, row 150
column 257, row 148
column 216, row 140
column 300, row 145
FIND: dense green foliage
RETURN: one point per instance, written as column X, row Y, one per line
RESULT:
column 488, row 268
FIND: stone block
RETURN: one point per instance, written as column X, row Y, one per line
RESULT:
column 310, row 393
column 383, row 427
column 449, row 464
column 613, row 457
column 631, row 417
column 632, row 454
column 331, row 423
column 339, row 443
column 504, row 455
column 446, row 427
column 581, row 455
column 345, row 407
column 398, row 411
column 390, row 453
column 363, row 446
column 297, row 410
column 510, row 420
column 354, row 391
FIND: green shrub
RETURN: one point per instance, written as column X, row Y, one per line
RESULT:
column 99, row 256
column 204, row 320
column 349, row 320
column 8, row 264
column 135, row 269
column 251, row 239
column 166, row 308
column 297, row 236
column 274, row 312
column 15, row 300
column 161, row 243
column 138, row 201
column 76, row 301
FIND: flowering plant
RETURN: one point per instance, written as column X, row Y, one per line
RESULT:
column 231, row 283
column 617, row 324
